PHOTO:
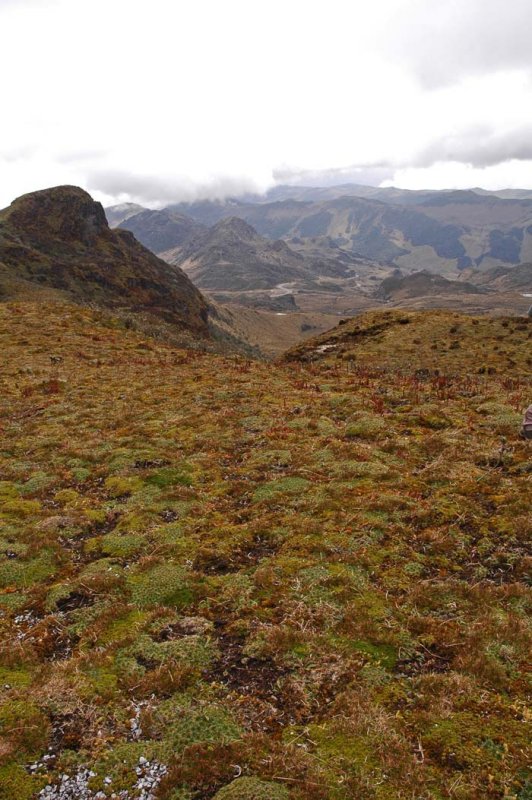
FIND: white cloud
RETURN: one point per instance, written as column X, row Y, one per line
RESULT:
column 445, row 41
column 163, row 100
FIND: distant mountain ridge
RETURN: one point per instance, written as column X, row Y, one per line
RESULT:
column 232, row 256
column 162, row 230
column 117, row 214
column 441, row 231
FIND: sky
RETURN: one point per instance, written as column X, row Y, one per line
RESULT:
column 170, row 100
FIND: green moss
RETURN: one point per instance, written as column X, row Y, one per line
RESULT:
column 191, row 651
column 124, row 627
column 119, row 764
column 59, row 591
column 103, row 682
column 171, row 476
column 67, row 497
column 293, row 485
column 176, row 726
column 252, row 789
column 102, row 566
column 366, row 427
column 463, row 741
column 134, row 521
column 272, row 458
column 180, row 726
column 8, row 491
column 20, row 508
column 18, row 678
column 16, row 784
column 36, row 484
column 121, row 486
column 24, row 724
column 24, row 574
column 180, row 793
column 122, row 546
column 430, row 416
column 11, row 545
column 13, row 601
column 81, row 474
column 165, row 584
column 503, row 419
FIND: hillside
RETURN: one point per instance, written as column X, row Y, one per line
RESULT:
column 228, row 580
column 117, row 214
column 162, row 230
column 503, row 279
column 269, row 333
column 59, row 239
column 231, row 256
column 436, row 342
column 421, row 284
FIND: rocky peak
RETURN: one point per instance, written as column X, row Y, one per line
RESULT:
column 234, row 228
column 60, row 238
column 67, row 213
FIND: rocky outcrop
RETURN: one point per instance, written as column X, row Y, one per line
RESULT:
column 60, row 238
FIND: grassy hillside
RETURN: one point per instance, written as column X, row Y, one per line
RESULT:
column 269, row 333
column 433, row 341
column 309, row 575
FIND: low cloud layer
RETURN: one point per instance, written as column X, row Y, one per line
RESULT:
column 479, row 147
column 154, row 190
column 367, row 175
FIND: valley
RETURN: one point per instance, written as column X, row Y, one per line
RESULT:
column 339, row 251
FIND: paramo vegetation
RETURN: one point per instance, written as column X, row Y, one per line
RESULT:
column 292, row 581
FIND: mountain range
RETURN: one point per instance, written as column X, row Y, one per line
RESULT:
column 329, row 249
column 444, row 231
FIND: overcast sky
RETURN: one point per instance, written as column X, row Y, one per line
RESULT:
column 175, row 99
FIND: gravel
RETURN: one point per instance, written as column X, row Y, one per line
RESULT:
column 76, row 787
